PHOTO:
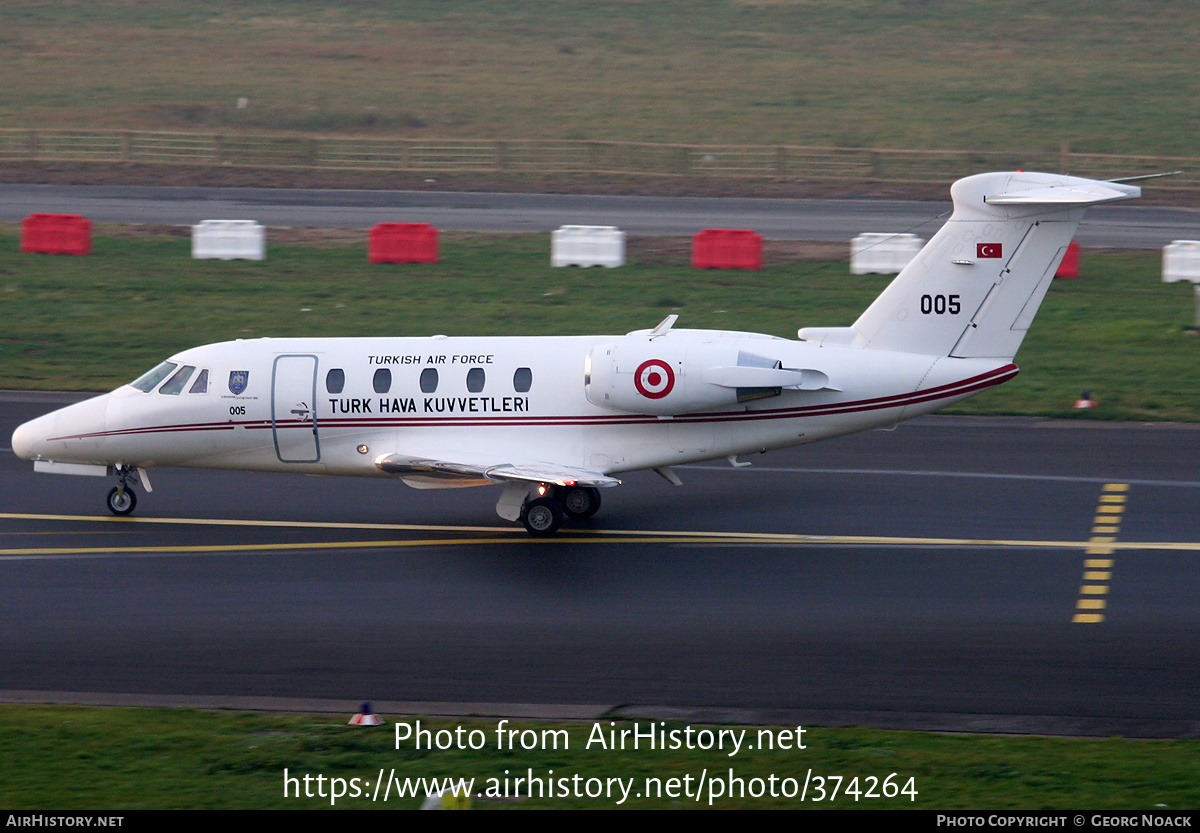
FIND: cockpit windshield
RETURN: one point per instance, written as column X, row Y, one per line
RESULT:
column 146, row 382
column 174, row 385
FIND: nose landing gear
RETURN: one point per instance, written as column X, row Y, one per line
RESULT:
column 122, row 500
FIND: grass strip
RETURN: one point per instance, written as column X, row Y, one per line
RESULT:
column 95, row 322
column 83, row 758
column 1106, row 76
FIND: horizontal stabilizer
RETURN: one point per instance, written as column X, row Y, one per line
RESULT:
column 1072, row 192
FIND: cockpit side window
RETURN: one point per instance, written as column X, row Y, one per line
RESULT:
column 201, row 383
column 174, row 385
column 147, row 381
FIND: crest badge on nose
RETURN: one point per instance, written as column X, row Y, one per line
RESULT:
column 238, row 379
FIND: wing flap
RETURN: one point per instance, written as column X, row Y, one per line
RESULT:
column 550, row 473
column 531, row 472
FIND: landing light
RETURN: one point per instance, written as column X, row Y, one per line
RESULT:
column 362, row 449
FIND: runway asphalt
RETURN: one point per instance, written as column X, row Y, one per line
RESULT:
column 927, row 577
column 1116, row 226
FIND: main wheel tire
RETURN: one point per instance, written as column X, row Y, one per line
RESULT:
column 581, row 502
column 121, row 501
column 542, row 516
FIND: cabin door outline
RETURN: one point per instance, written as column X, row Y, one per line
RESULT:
column 293, row 409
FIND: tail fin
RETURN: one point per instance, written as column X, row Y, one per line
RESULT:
column 973, row 290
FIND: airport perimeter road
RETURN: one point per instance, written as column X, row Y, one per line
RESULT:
column 926, row 577
column 1123, row 226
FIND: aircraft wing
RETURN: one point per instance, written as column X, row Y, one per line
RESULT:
column 548, row 473
column 481, row 472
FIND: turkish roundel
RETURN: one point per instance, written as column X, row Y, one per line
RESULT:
column 989, row 250
column 654, row 379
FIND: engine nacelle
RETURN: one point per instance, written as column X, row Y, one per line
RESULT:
column 664, row 377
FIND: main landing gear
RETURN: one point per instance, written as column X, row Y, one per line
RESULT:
column 544, row 514
column 122, row 500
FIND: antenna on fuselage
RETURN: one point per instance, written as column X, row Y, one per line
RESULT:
column 664, row 326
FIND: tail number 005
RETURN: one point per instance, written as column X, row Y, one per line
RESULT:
column 940, row 304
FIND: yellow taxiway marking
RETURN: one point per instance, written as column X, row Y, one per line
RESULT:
column 502, row 535
column 235, row 522
column 1106, row 525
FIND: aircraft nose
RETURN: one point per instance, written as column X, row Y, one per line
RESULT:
column 66, row 435
column 29, row 436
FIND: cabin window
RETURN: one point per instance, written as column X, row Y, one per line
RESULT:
column 147, row 381
column 335, row 380
column 201, row 383
column 522, row 380
column 429, row 380
column 174, row 385
column 382, row 381
column 475, row 379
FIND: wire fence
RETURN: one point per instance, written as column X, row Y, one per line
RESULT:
column 781, row 162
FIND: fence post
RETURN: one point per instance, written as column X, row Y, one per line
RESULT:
column 501, row 156
column 1064, row 154
column 33, row 145
column 781, row 162
column 684, row 161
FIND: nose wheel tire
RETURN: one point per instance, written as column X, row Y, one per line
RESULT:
column 542, row 516
column 121, row 501
column 581, row 502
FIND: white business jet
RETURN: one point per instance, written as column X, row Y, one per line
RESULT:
column 555, row 419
